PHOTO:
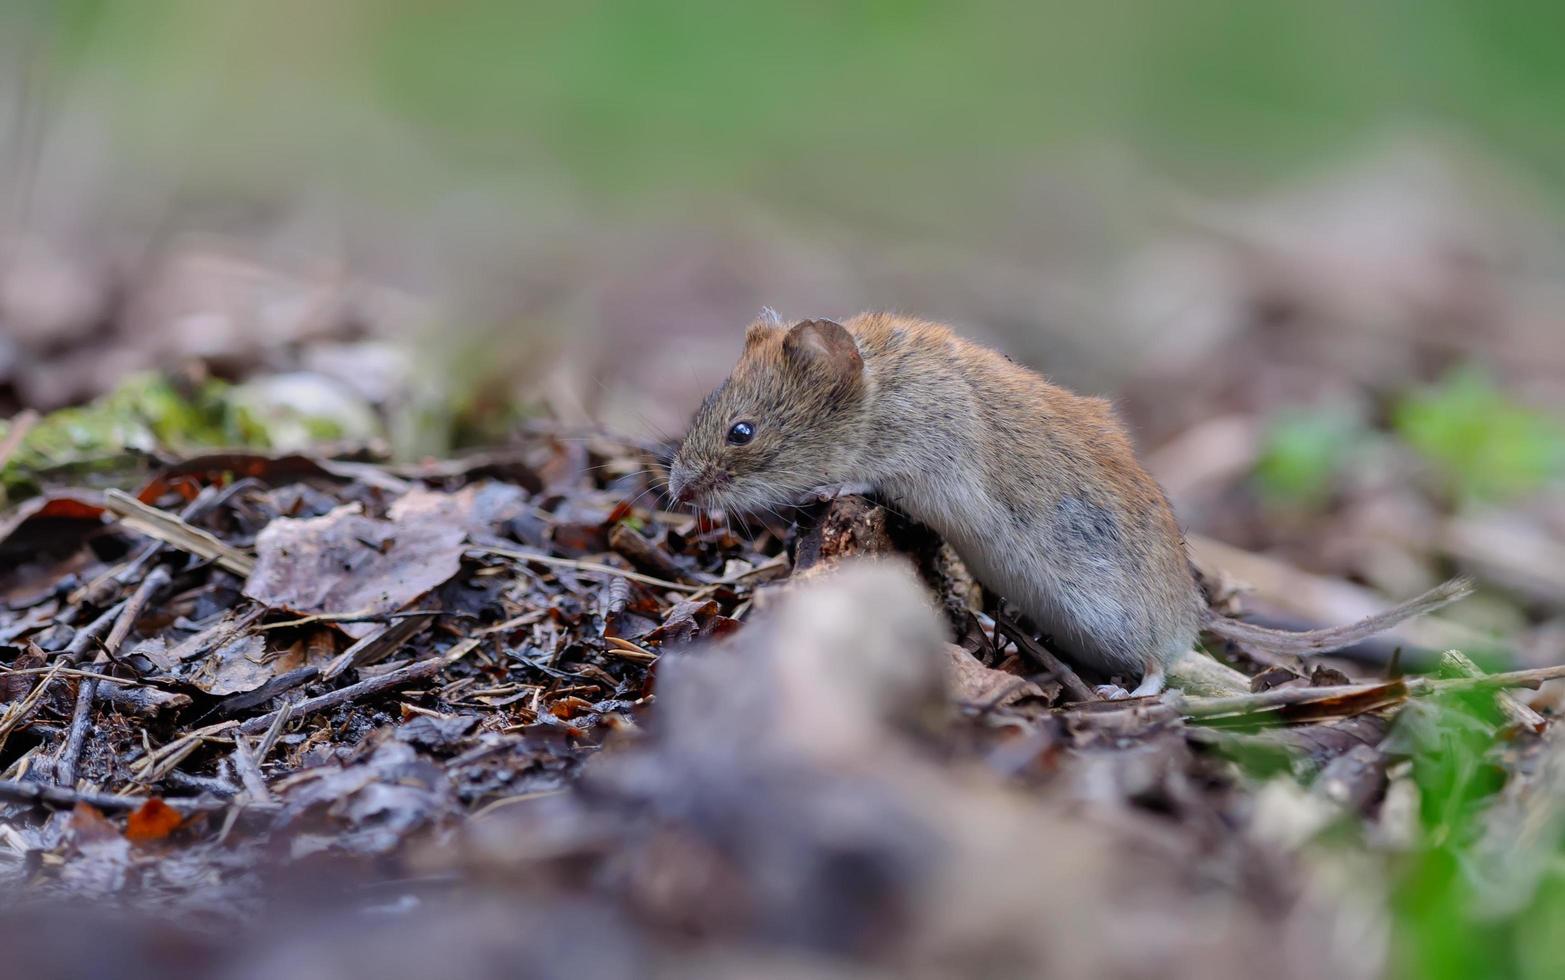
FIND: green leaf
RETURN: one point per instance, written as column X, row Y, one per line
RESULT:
column 1482, row 444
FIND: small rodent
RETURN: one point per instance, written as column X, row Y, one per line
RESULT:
column 1037, row 489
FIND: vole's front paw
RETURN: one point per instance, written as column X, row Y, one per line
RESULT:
column 1112, row 692
column 821, row 495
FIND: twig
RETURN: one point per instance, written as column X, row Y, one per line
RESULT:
column 87, row 689
column 280, row 719
column 589, row 566
column 169, row 529
column 20, row 712
column 505, row 801
column 1356, row 698
column 235, row 703
column 780, row 563
column 416, row 671
column 165, row 765
column 249, row 771
column 362, row 616
column 1353, row 698
column 1531, row 677
column 1460, row 664
column 1046, row 659
column 58, row 797
column 377, row 646
column 180, row 747
column 72, row 672
column 129, row 571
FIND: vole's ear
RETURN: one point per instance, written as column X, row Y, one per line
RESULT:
column 764, row 325
column 825, row 347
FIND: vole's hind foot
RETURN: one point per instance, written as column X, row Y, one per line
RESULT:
column 1152, row 684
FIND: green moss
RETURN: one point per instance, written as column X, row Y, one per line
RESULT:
column 147, row 412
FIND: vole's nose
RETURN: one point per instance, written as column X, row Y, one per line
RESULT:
column 680, row 486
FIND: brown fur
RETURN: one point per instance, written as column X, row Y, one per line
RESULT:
column 1038, row 489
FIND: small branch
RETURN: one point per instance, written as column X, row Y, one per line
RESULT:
column 1348, row 699
column 1341, row 698
column 1458, row 663
column 109, row 583
column 417, row 671
column 87, row 688
column 60, row 798
column 236, row 703
column 589, row 566
column 280, row 718
column 149, row 766
column 1531, row 677
column 249, row 771
column 362, row 616
column 378, row 645
column 1045, row 658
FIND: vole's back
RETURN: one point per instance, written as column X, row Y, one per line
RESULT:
column 1036, row 488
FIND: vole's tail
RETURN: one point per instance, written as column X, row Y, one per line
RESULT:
column 1302, row 644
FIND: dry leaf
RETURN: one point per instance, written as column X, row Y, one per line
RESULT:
column 153, row 820
column 344, row 562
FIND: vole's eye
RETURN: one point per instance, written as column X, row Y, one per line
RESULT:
column 741, row 433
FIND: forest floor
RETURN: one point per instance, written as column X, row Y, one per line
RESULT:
column 265, row 710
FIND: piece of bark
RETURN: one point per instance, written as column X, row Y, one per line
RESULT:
column 637, row 550
column 142, row 702
column 974, row 684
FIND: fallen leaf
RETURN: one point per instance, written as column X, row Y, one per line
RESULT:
column 153, row 820
column 89, row 825
column 236, row 666
column 82, row 506
column 689, row 621
column 479, row 509
column 345, row 562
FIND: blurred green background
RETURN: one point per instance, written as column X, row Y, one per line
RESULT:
column 878, row 105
